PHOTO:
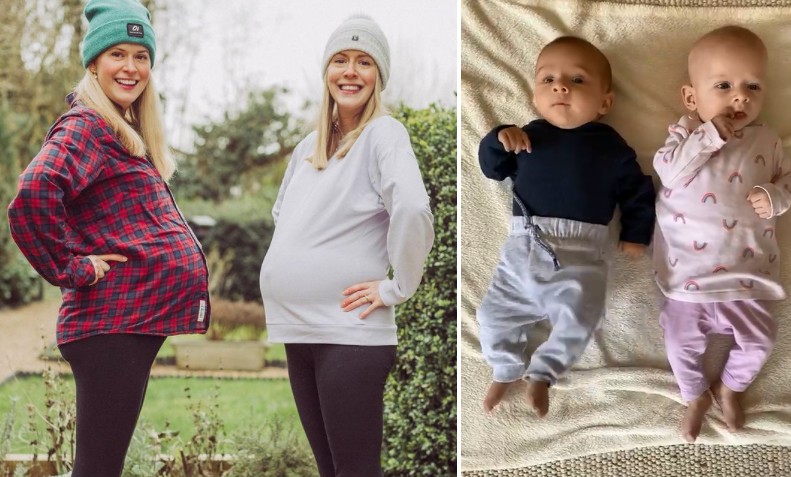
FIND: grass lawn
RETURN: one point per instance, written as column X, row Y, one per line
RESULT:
column 241, row 403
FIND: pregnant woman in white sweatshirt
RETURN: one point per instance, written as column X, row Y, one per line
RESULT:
column 351, row 205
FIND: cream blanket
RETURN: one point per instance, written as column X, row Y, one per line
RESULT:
column 621, row 395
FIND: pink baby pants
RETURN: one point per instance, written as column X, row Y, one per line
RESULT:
column 687, row 326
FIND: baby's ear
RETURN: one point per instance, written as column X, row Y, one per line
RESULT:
column 606, row 105
column 688, row 97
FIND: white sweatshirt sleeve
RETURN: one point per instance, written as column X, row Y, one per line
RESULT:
column 397, row 179
column 298, row 154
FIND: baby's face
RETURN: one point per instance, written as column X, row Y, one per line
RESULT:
column 570, row 89
column 728, row 79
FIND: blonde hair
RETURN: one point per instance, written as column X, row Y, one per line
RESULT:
column 139, row 129
column 327, row 142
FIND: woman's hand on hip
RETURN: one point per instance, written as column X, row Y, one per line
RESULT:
column 366, row 293
column 100, row 265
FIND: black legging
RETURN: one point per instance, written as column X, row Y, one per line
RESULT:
column 111, row 373
column 338, row 390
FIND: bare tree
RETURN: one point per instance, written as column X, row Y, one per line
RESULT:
column 178, row 45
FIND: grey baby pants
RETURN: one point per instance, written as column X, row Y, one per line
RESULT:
column 526, row 289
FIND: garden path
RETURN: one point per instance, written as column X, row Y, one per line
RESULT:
column 25, row 331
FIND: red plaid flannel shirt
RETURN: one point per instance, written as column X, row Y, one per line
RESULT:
column 85, row 194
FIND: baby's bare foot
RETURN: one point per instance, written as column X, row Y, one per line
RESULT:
column 728, row 400
column 494, row 395
column 693, row 417
column 538, row 396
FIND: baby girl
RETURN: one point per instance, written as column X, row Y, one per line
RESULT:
column 724, row 179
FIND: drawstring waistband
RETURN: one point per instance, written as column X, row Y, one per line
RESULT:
column 533, row 232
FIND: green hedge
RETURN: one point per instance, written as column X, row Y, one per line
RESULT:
column 19, row 283
column 420, row 399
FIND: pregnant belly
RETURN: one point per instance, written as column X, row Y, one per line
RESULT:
column 315, row 276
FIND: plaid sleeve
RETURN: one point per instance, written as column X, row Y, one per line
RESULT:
column 69, row 161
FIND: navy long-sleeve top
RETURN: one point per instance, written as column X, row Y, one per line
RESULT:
column 578, row 174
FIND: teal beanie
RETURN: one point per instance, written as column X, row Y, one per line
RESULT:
column 111, row 22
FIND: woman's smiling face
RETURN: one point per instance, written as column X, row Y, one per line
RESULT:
column 351, row 76
column 123, row 71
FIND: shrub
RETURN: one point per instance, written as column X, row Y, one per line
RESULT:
column 274, row 451
column 245, row 320
column 142, row 457
column 6, row 434
column 19, row 283
column 236, row 152
column 420, row 399
column 240, row 246
column 59, row 415
column 149, row 449
column 209, row 429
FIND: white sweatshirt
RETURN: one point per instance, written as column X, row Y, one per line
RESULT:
column 341, row 226
column 709, row 244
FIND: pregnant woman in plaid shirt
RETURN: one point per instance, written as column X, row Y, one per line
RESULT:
column 95, row 217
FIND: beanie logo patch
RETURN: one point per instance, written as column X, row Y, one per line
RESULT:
column 134, row 29
column 355, row 38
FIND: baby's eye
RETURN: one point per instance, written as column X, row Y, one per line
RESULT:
column 723, row 85
column 754, row 87
column 577, row 80
column 548, row 79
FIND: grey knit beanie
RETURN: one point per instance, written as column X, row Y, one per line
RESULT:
column 360, row 32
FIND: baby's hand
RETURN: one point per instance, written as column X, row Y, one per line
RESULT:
column 632, row 250
column 761, row 203
column 514, row 140
column 724, row 124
